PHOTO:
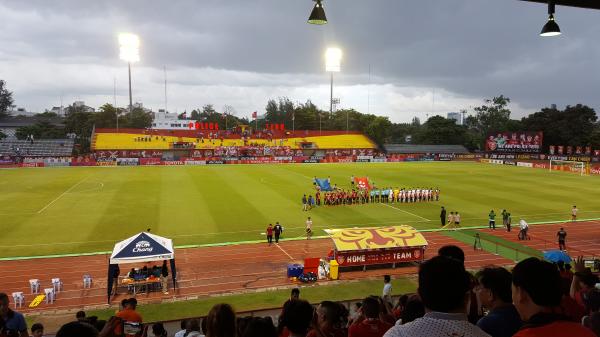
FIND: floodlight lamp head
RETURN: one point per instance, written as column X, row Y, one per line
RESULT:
column 317, row 16
column 333, row 59
column 129, row 45
column 551, row 27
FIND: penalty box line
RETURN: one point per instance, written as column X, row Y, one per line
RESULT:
column 62, row 194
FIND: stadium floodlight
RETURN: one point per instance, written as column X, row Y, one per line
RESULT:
column 129, row 51
column 333, row 60
column 551, row 27
column 317, row 16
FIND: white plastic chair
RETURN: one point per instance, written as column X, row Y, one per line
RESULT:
column 87, row 281
column 34, row 284
column 18, row 298
column 49, row 295
column 57, row 284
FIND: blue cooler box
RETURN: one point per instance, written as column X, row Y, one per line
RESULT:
column 295, row 270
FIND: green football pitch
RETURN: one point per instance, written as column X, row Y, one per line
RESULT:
column 79, row 210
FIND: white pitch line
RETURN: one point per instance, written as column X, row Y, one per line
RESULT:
column 407, row 212
column 63, row 193
column 286, row 253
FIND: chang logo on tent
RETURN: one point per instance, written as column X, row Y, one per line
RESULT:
column 142, row 247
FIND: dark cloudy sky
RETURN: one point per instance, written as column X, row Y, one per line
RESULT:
column 425, row 56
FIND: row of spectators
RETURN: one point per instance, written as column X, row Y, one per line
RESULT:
column 537, row 298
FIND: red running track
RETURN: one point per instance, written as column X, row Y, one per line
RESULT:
column 583, row 238
column 201, row 271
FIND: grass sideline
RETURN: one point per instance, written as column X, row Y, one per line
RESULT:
column 251, row 301
column 198, row 205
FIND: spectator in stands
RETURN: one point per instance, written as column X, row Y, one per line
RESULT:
column 128, row 314
column 369, row 324
column 260, row 327
column 158, row 330
column 414, row 309
column 37, row 330
column 296, row 317
column 397, row 312
column 592, row 307
column 220, row 321
column 453, row 252
column 444, row 287
column 183, row 326
column 77, row 329
column 12, row 323
column 583, row 281
column 494, row 294
column 194, row 328
column 330, row 321
column 536, row 292
column 80, row 316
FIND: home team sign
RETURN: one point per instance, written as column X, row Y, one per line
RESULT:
column 379, row 256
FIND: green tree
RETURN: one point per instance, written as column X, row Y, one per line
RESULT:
column 6, row 99
column 439, row 130
column 80, row 123
column 138, row 119
column 493, row 115
column 575, row 125
column 106, row 117
column 379, row 129
column 41, row 130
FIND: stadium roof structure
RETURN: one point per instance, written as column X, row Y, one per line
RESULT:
column 572, row 3
column 348, row 239
column 410, row 148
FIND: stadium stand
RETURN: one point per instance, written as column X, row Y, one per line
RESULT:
column 37, row 148
column 409, row 148
column 144, row 140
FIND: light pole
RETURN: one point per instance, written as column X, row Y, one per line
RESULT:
column 129, row 51
column 333, row 59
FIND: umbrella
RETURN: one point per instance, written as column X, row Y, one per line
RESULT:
column 557, row 255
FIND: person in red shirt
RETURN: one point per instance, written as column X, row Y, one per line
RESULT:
column 583, row 281
column 270, row 234
column 536, row 293
column 131, row 321
column 369, row 324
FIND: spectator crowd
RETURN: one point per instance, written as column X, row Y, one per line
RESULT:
column 536, row 298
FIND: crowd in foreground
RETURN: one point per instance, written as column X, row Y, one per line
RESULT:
column 537, row 298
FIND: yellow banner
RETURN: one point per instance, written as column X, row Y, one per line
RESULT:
column 376, row 238
column 36, row 301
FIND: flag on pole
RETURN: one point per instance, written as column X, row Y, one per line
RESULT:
column 254, row 115
column 362, row 183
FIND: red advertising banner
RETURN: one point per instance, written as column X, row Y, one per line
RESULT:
column 588, row 150
column 551, row 149
column 561, row 150
column 149, row 161
column 530, row 142
column 596, row 153
column 595, row 170
column 380, row 256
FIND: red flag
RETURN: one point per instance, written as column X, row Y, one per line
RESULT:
column 362, row 182
column 267, row 126
column 282, row 127
column 197, row 125
column 211, row 126
column 191, row 125
column 254, row 115
column 216, row 126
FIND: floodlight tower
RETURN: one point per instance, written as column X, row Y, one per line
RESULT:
column 333, row 59
column 129, row 51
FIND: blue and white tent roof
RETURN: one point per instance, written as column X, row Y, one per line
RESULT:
column 142, row 247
